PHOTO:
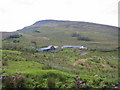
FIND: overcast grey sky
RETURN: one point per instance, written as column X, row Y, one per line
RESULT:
column 16, row 14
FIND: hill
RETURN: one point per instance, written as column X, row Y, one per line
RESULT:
column 95, row 67
column 58, row 32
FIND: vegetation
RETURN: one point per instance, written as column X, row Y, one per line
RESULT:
column 79, row 37
column 14, row 36
column 59, row 70
column 96, row 67
column 75, row 35
column 83, row 39
column 37, row 31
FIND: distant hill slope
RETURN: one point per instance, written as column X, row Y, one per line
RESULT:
column 74, row 25
column 58, row 32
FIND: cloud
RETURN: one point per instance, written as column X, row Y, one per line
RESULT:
column 25, row 2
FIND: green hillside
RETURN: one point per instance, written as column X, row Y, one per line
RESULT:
column 53, row 32
column 95, row 67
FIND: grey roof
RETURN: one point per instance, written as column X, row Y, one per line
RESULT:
column 72, row 46
column 47, row 48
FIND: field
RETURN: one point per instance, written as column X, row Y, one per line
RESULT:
column 65, row 65
column 96, row 67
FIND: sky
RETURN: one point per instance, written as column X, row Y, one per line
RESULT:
column 16, row 14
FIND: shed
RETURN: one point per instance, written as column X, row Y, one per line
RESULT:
column 46, row 48
column 72, row 46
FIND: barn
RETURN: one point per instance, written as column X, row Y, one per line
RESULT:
column 72, row 46
column 51, row 47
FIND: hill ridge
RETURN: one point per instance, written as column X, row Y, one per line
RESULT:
column 41, row 22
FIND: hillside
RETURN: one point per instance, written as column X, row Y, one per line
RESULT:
column 95, row 67
column 57, row 32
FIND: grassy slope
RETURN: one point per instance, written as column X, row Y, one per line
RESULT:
column 59, row 33
column 66, row 64
column 62, row 65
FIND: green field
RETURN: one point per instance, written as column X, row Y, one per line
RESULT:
column 65, row 65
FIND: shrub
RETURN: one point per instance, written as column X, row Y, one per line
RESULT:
column 92, row 49
column 62, row 77
column 83, row 39
column 4, row 61
column 51, row 82
column 14, row 36
column 16, row 81
column 79, row 82
column 46, row 67
column 37, row 31
column 75, row 35
column 16, row 41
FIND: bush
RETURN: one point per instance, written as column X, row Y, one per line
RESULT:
column 16, row 41
column 47, row 67
column 62, row 78
column 16, row 81
column 83, row 39
column 79, row 37
column 75, row 35
column 92, row 49
column 51, row 82
column 37, row 31
column 4, row 61
column 14, row 36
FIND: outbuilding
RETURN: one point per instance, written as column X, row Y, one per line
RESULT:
column 72, row 46
column 51, row 47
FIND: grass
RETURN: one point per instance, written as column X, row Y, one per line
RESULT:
column 11, row 51
column 60, row 33
column 21, row 66
column 62, row 66
column 45, row 70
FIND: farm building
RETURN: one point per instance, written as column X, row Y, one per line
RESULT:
column 72, row 46
column 52, row 48
column 47, row 48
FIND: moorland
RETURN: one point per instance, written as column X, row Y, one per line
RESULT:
column 95, row 67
